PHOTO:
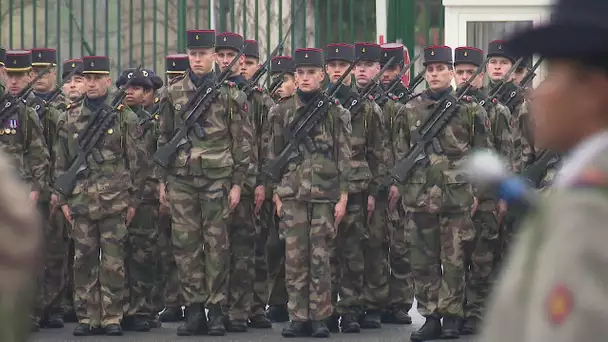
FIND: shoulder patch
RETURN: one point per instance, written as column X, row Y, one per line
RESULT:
column 591, row 178
column 156, row 99
column 559, row 304
column 68, row 106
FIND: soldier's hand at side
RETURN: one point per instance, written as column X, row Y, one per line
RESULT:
column 162, row 194
column 260, row 196
column 34, row 196
column 234, row 197
column 393, row 197
column 501, row 210
column 339, row 212
column 67, row 213
column 371, row 205
column 163, row 209
column 278, row 204
column 130, row 216
column 474, row 206
column 54, row 205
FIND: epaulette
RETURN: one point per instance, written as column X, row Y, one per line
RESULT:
column 177, row 78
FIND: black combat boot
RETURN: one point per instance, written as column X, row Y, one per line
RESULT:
column 260, row 322
column 236, row 325
column 319, row 329
column 350, row 324
column 216, row 321
column 70, row 316
column 135, row 323
column 277, row 313
column 84, row 329
column 451, row 327
column 171, row 314
column 470, row 326
column 371, row 320
column 333, row 323
column 113, row 330
column 296, row 329
column 55, row 320
column 196, row 323
column 386, row 316
column 430, row 330
column 400, row 316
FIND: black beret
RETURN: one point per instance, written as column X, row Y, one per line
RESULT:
column 576, row 30
column 157, row 82
column 229, row 40
column 99, row 65
column 368, row 52
column 525, row 63
column 176, row 64
column 390, row 50
column 43, row 57
column 252, row 49
column 308, row 57
column 437, row 54
column 2, row 55
column 339, row 52
column 18, row 60
column 200, row 39
column 280, row 64
column 70, row 65
column 140, row 78
column 468, row 55
column 497, row 48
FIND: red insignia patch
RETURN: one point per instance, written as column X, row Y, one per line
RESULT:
column 245, row 107
column 559, row 304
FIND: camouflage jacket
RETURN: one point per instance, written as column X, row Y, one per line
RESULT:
column 320, row 176
column 113, row 180
column 226, row 149
column 149, row 125
column 49, row 116
column 440, row 186
column 21, row 137
column 389, row 108
column 523, row 148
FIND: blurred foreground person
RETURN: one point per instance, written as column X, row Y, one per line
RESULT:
column 555, row 287
column 20, row 237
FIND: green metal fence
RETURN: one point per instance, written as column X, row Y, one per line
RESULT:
column 144, row 31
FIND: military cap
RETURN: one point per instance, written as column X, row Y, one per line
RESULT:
column 140, row 78
column 229, row 40
column 200, row 39
column 99, row 65
column 70, row 65
column 497, row 48
column 280, row 64
column 468, row 55
column 437, row 54
column 18, row 60
column 308, row 57
column 157, row 82
column 44, row 57
column 390, row 50
column 576, row 30
column 368, row 52
column 176, row 64
column 339, row 52
column 526, row 63
column 2, row 56
column 252, row 49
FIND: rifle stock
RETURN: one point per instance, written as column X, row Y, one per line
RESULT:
column 535, row 172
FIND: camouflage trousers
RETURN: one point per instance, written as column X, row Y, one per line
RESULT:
column 199, row 231
column 141, row 262
column 375, row 254
column 261, row 284
column 401, row 283
column 440, row 240
column 506, row 235
column 100, row 293
column 242, row 235
column 307, row 228
column 275, row 251
column 51, row 287
column 480, row 263
column 68, row 297
column 167, row 288
column 348, row 256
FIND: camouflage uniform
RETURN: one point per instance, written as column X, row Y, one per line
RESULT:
column 98, row 206
column 308, row 189
column 437, row 202
column 198, row 182
column 20, row 243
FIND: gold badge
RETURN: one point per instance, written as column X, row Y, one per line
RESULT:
column 173, row 63
column 14, row 61
column 156, row 99
column 92, row 64
column 13, row 131
column 39, row 54
column 1, row 132
column 73, row 65
column 306, row 55
column 196, row 37
column 178, row 106
column 225, row 38
column 279, row 62
column 363, row 50
column 499, row 47
column 432, row 52
column 155, row 116
column 465, row 54
column 110, row 131
column 385, row 54
column 7, row 130
column 337, row 50
column 417, row 123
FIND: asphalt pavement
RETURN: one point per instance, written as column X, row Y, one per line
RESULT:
column 388, row 332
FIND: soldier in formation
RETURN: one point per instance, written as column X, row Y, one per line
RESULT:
column 331, row 244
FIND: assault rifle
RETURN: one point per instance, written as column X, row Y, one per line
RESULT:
column 10, row 102
column 276, row 84
column 191, row 112
column 93, row 132
column 298, row 130
column 535, row 172
column 503, row 81
column 391, row 87
column 432, row 125
column 525, row 81
column 356, row 102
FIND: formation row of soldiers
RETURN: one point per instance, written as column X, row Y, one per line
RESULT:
column 332, row 244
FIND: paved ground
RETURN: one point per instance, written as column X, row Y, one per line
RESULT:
column 167, row 333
